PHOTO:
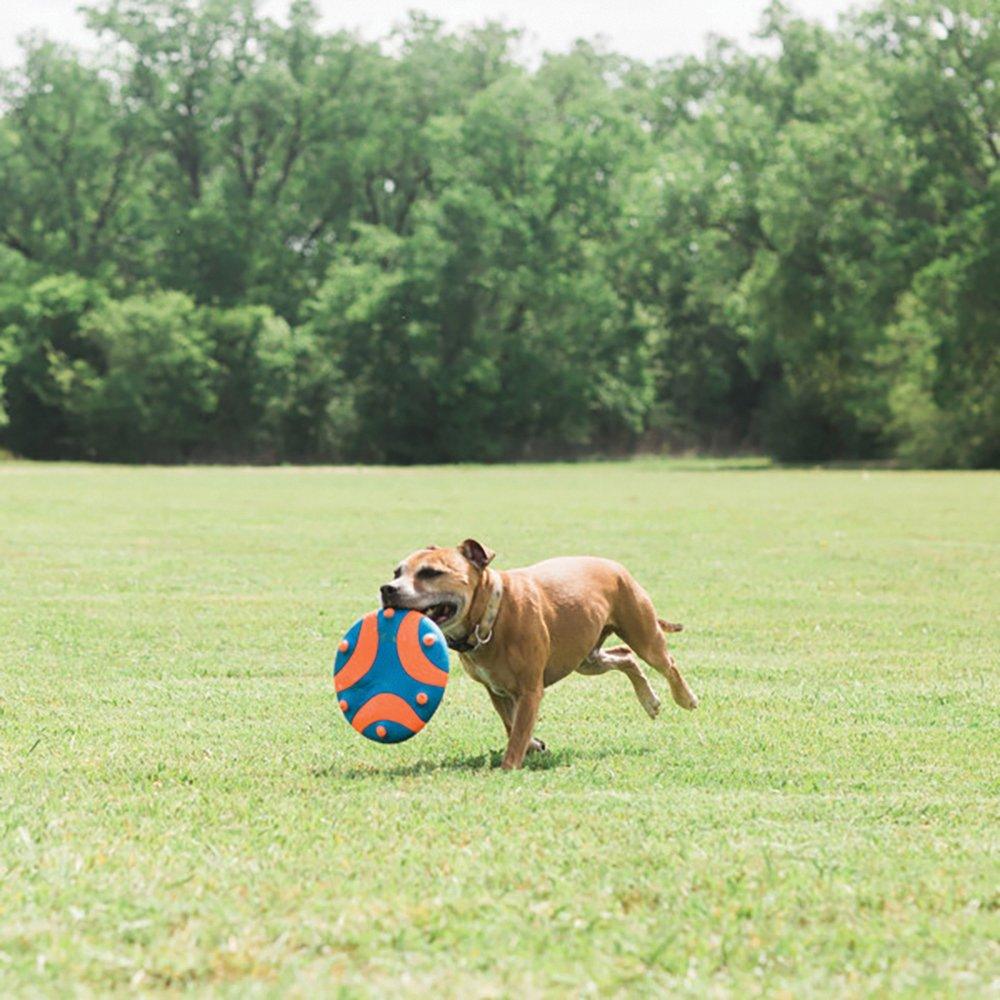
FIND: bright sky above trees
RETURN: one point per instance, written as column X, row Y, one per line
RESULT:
column 648, row 29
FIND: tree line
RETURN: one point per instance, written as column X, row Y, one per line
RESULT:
column 228, row 238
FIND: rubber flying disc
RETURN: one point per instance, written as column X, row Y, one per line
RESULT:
column 390, row 674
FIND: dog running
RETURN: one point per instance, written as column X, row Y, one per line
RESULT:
column 520, row 630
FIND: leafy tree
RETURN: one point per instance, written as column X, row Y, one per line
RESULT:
column 240, row 341
column 230, row 237
column 943, row 352
column 70, row 153
column 151, row 392
column 45, row 343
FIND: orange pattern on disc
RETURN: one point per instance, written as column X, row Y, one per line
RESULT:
column 361, row 660
column 412, row 657
column 387, row 708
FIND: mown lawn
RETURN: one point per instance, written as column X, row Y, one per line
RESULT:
column 182, row 806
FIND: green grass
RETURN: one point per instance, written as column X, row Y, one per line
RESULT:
column 183, row 807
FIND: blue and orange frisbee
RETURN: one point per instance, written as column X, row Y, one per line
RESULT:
column 390, row 673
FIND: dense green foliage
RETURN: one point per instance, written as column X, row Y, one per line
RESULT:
column 232, row 238
column 184, row 810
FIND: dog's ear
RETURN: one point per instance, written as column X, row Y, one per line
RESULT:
column 430, row 548
column 476, row 553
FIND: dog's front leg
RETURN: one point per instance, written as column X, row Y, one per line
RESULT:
column 522, row 726
column 504, row 705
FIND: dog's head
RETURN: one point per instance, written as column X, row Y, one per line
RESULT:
column 438, row 582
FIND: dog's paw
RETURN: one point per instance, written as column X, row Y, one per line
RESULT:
column 688, row 701
column 651, row 705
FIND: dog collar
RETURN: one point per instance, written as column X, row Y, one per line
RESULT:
column 483, row 632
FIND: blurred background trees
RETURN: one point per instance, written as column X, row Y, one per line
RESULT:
column 233, row 239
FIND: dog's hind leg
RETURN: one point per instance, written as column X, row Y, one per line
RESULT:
column 636, row 622
column 600, row 661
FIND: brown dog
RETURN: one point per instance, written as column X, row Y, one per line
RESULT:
column 521, row 630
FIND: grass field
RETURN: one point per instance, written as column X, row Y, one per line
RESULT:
column 183, row 807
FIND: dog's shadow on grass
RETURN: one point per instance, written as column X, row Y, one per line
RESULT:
column 488, row 761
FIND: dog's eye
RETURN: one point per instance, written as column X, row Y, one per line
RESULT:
column 427, row 573
column 397, row 573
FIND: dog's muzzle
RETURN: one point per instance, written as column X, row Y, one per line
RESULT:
column 440, row 612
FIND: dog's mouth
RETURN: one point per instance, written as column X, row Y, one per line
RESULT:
column 441, row 613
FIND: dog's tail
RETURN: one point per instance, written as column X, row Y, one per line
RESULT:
column 670, row 626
